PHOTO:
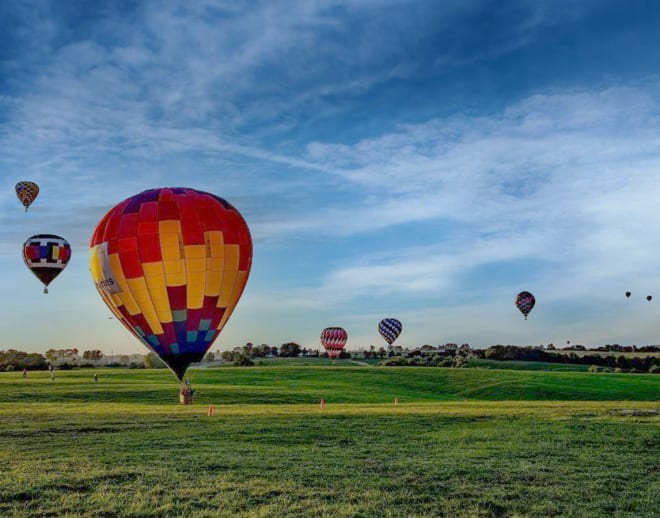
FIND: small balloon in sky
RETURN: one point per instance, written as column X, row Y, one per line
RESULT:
column 171, row 264
column 628, row 294
column 525, row 302
column 649, row 298
column 390, row 329
column 333, row 339
column 46, row 255
column 27, row 192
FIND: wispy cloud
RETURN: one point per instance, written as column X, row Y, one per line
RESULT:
column 568, row 178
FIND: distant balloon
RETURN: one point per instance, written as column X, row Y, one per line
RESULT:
column 525, row 302
column 46, row 255
column 171, row 264
column 628, row 294
column 333, row 339
column 27, row 193
column 649, row 297
column 390, row 329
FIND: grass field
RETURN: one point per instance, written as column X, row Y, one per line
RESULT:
column 463, row 442
column 527, row 366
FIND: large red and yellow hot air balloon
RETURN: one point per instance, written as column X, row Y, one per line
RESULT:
column 334, row 340
column 171, row 264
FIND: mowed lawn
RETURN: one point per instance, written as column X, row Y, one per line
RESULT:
column 462, row 442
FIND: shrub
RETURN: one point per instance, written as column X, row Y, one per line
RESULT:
column 243, row 361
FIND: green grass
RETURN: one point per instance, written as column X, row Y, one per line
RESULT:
column 306, row 385
column 528, row 366
column 302, row 362
column 463, row 442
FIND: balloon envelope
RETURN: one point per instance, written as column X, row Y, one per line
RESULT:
column 628, row 294
column 390, row 329
column 649, row 298
column 525, row 302
column 171, row 264
column 46, row 255
column 27, row 192
column 334, row 340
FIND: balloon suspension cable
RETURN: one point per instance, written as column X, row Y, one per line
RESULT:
column 26, row 209
column 525, row 317
column 45, row 289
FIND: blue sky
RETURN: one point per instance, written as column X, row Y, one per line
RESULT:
column 419, row 160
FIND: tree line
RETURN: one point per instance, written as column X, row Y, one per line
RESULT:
column 531, row 354
column 460, row 358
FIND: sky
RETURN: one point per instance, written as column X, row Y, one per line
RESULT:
column 419, row 160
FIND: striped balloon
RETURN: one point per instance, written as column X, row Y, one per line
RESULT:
column 46, row 255
column 390, row 329
column 171, row 264
column 334, row 340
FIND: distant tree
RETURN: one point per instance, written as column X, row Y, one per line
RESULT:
column 209, row 357
column 289, row 350
column 93, row 355
column 152, row 361
column 19, row 360
column 243, row 361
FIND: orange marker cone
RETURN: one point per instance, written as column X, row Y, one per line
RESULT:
column 210, row 412
column 323, row 403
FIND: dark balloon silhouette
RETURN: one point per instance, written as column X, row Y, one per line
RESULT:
column 525, row 302
column 649, row 297
column 628, row 294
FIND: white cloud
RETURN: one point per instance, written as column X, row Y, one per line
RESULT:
column 568, row 178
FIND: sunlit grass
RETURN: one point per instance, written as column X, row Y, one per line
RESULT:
column 124, row 447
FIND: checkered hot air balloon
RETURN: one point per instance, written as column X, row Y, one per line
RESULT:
column 333, row 339
column 27, row 193
column 46, row 255
column 390, row 329
column 525, row 302
column 171, row 264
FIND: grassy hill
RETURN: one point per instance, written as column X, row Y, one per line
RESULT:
column 463, row 442
column 305, row 385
